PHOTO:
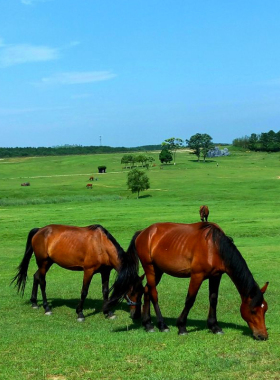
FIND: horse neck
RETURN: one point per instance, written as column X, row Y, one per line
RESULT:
column 244, row 281
column 237, row 268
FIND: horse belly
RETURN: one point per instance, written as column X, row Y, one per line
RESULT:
column 67, row 261
column 172, row 263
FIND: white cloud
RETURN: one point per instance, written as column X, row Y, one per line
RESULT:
column 24, row 53
column 31, row 2
column 78, row 77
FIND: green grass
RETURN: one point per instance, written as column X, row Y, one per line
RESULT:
column 243, row 197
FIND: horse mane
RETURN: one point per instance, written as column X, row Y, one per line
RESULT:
column 236, row 264
column 119, row 249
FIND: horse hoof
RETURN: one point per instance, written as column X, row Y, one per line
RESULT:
column 112, row 316
column 48, row 313
column 150, row 330
column 183, row 333
column 219, row 332
column 35, row 307
column 165, row 330
column 80, row 319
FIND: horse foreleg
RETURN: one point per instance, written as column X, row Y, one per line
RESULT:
column 154, row 298
column 151, row 294
column 212, row 323
column 146, row 312
column 195, row 283
column 34, row 293
column 86, row 283
column 105, row 276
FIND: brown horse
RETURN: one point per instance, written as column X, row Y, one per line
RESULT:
column 89, row 186
column 204, row 213
column 200, row 251
column 90, row 249
column 91, row 178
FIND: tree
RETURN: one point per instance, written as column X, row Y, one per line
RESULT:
column 165, row 156
column 206, row 144
column 127, row 159
column 137, row 181
column 253, row 142
column 194, row 144
column 173, row 144
column 200, row 144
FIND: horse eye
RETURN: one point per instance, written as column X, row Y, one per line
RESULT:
column 253, row 312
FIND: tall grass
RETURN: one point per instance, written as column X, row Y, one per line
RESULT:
column 243, row 197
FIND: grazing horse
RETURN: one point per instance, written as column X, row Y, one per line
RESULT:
column 25, row 184
column 91, row 178
column 200, row 251
column 90, row 249
column 204, row 213
column 89, row 186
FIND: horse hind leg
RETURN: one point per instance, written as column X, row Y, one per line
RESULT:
column 212, row 323
column 42, row 281
column 34, row 293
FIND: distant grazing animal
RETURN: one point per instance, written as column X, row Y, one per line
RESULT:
column 90, row 249
column 89, row 186
column 200, row 251
column 91, row 179
column 204, row 213
column 25, row 184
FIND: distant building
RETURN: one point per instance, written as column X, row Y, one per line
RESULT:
column 216, row 152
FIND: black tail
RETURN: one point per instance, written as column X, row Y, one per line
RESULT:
column 127, row 275
column 21, row 276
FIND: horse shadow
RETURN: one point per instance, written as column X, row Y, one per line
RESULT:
column 91, row 306
column 193, row 325
column 94, row 306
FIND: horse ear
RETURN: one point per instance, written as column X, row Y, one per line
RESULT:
column 263, row 289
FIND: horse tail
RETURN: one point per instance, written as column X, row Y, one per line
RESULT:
column 127, row 275
column 21, row 276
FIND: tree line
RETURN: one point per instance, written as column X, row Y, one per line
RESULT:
column 70, row 150
column 263, row 142
column 130, row 160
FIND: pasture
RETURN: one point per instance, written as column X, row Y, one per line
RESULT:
column 242, row 194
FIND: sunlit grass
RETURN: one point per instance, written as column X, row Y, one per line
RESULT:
column 242, row 195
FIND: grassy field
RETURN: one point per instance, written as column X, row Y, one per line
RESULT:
column 242, row 193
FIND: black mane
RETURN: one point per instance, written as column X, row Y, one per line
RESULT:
column 236, row 265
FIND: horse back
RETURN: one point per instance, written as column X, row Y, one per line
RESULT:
column 75, row 248
column 179, row 249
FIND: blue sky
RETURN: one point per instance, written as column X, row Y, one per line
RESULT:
column 137, row 72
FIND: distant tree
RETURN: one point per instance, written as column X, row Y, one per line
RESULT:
column 128, row 160
column 206, row 144
column 241, row 142
column 165, row 156
column 200, row 144
column 173, row 144
column 142, row 158
column 137, row 181
column 194, row 143
column 268, row 141
column 253, row 142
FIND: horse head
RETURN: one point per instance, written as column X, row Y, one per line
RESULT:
column 254, row 314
